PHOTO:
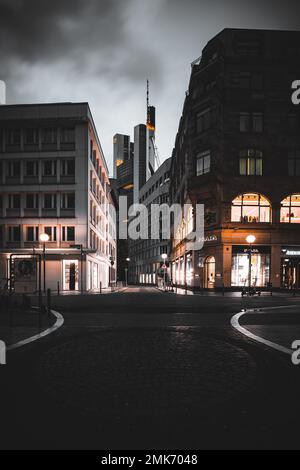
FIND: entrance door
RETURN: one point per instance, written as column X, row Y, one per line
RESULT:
column 291, row 273
column 209, row 272
column 70, row 275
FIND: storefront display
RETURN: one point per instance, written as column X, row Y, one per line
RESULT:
column 260, row 266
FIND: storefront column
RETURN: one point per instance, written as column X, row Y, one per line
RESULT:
column 227, row 265
column 276, row 266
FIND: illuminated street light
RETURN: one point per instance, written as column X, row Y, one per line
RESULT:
column 165, row 257
column 250, row 240
column 44, row 238
column 126, row 272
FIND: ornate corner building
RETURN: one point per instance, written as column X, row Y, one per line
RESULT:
column 237, row 151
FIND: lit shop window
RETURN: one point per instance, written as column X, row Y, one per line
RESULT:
column 290, row 210
column 250, row 208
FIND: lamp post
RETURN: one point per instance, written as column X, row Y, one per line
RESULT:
column 164, row 257
column 44, row 238
column 250, row 240
column 126, row 272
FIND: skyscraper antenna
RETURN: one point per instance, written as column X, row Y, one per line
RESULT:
column 147, row 101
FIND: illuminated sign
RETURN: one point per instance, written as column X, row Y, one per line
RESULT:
column 208, row 238
column 292, row 253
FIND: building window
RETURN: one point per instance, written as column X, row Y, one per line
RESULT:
column 250, row 208
column 49, row 135
column 68, row 201
column 13, row 169
column 251, row 122
column 14, row 201
column 31, row 168
column 49, row 168
column 251, row 163
column 203, row 163
column 290, row 210
column 32, row 234
column 51, row 232
column 32, row 201
column 67, row 135
column 250, row 81
column 14, row 137
column 14, row 233
column 68, row 234
column 31, row 136
column 203, row 121
column 68, row 167
column 294, row 162
column 49, row 201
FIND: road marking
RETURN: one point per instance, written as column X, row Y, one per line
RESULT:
column 236, row 324
column 59, row 323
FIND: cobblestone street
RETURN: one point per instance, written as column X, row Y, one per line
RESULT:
column 145, row 369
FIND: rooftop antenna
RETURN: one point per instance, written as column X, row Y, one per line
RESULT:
column 148, row 117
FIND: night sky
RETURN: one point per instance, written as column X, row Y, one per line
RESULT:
column 102, row 51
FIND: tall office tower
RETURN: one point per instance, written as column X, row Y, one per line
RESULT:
column 151, row 148
column 140, row 160
column 122, row 151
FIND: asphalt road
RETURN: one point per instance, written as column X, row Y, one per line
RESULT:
column 144, row 369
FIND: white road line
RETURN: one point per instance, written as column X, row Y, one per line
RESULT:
column 59, row 322
column 236, row 324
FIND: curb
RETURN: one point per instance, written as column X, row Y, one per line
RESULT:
column 58, row 324
column 237, row 326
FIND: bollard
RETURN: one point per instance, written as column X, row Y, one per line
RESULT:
column 185, row 288
column 58, row 289
column 101, row 287
column 49, row 302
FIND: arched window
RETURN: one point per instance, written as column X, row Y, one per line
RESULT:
column 190, row 220
column 290, row 210
column 250, row 208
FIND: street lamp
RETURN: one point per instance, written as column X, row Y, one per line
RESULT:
column 44, row 238
column 126, row 272
column 164, row 257
column 250, row 240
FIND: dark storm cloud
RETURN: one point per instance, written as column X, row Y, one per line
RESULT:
column 43, row 30
column 102, row 51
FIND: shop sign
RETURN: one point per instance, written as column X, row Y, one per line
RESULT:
column 255, row 250
column 208, row 239
column 291, row 252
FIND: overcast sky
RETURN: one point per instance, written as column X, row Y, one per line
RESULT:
column 102, row 51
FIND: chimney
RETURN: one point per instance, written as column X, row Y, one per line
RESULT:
column 2, row 92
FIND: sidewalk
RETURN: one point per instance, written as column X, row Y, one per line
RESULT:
column 19, row 325
column 84, row 293
column 207, row 293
